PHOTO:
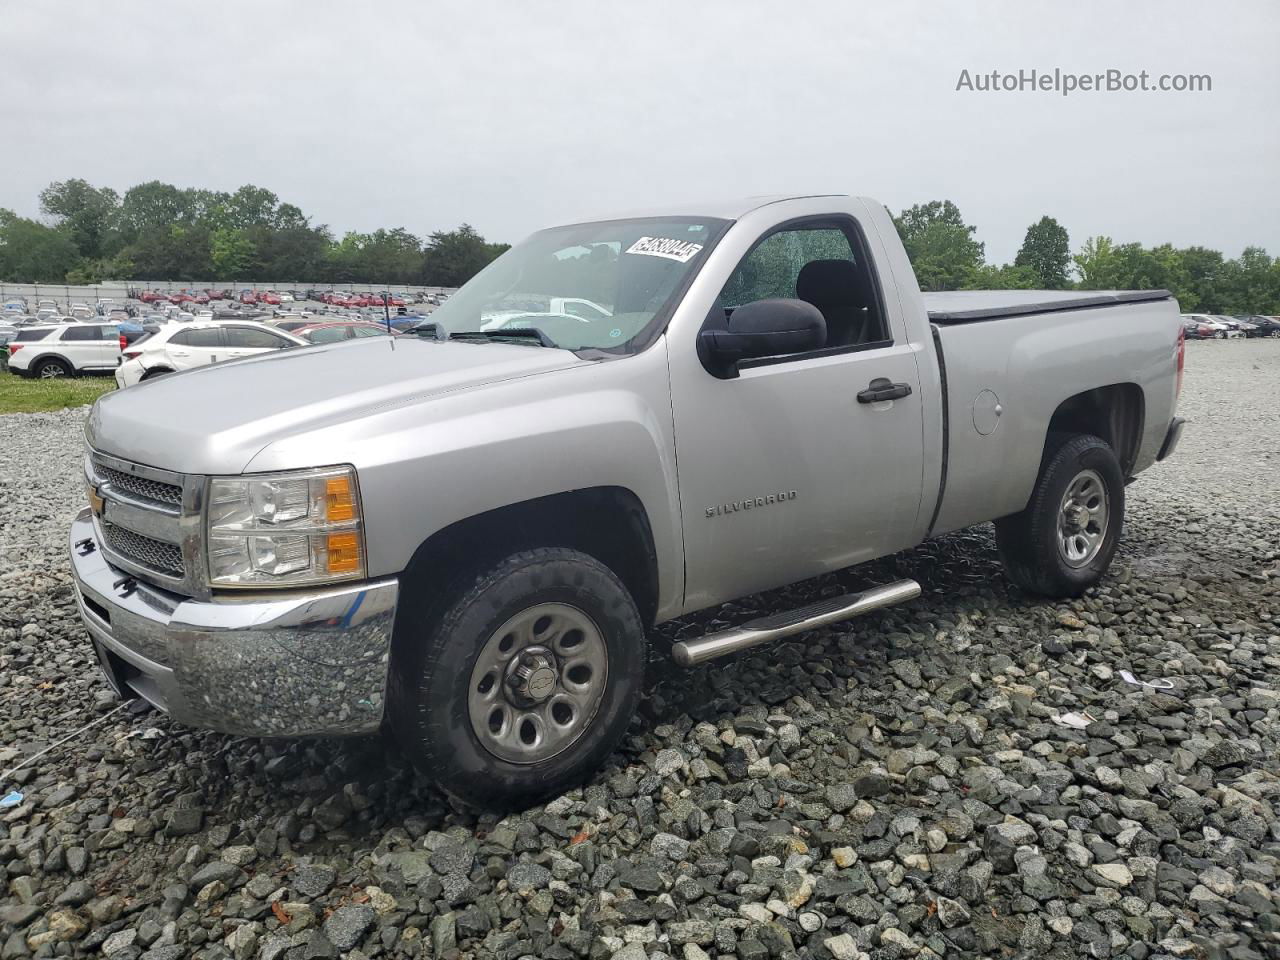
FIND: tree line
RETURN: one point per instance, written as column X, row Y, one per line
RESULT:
column 946, row 256
column 157, row 231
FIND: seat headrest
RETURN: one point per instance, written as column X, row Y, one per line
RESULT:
column 832, row 282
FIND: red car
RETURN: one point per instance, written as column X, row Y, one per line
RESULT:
column 358, row 300
column 396, row 302
column 272, row 298
column 247, row 296
column 375, row 300
column 201, row 298
column 150, row 296
column 335, row 331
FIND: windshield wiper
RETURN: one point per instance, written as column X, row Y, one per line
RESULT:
column 523, row 334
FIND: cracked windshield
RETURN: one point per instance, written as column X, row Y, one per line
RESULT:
column 585, row 286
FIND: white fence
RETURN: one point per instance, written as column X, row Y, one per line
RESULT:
column 120, row 289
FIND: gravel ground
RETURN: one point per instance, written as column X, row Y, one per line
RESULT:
column 896, row 787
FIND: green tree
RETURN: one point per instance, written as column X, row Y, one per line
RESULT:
column 1046, row 249
column 151, row 204
column 940, row 244
column 31, row 252
column 250, row 206
column 176, row 252
column 453, row 257
column 1249, row 283
column 1096, row 263
column 231, row 252
column 84, row 212
column 295, row 253
column 1008, row 277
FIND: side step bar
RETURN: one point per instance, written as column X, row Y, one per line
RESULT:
column 690, row 653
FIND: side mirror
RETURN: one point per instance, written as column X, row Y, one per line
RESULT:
column 764, row 328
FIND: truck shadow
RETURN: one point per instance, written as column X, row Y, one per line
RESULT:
column 323, row 796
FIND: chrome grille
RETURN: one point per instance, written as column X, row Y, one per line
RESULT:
column 153, row 490
column 165, row 558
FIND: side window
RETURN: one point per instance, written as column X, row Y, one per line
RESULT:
column 244, row 337
column 822, row 262
column 79, row 333
column 328, row 334
column 202, row 337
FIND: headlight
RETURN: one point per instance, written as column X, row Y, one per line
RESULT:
column 285, row 529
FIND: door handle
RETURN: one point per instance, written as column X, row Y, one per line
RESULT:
column 881, row 389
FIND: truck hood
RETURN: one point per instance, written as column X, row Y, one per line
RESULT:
column 215, row 419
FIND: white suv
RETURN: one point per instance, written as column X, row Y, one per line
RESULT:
column 181, row 346
column 65, row 350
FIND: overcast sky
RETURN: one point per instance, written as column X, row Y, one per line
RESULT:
column 514, row 115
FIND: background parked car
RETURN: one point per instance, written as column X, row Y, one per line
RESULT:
column 182, row 346
column 65, row 350
column 1233, row 326
column 292, row 324
column 332, row 332
column 1219, row 330
column 1195, row 329
column 1243, row 325
column 1267, row 326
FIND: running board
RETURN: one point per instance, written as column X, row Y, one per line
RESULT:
column 690, row 653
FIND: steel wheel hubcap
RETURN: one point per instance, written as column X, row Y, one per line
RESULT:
column 1082, row 518
column 538, row 683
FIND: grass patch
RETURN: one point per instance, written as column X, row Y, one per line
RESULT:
column 20, row 395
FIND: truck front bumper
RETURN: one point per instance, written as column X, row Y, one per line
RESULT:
column 310, row 663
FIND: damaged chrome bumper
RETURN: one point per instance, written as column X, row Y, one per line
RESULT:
column 301, row 664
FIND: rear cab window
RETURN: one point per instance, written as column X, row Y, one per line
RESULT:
column 31, row 336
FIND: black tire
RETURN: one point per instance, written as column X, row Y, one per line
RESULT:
column 437, row 649
column 52, row 368
column 1031, row 543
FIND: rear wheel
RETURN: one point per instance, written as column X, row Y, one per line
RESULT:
column 53, row 369
column 522, row 681
column 1220, row 335
column 1063, row 542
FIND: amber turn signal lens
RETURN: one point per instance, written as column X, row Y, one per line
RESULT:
column 339, row 499
column 344, row 552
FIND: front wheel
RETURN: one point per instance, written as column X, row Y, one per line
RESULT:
column 523, row 684
column 1063, row 541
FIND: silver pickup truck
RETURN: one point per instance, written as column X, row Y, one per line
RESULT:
column 466, row 534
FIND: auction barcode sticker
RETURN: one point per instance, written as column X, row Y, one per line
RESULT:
column 681, row 251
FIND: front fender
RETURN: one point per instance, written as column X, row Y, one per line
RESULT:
column 429, row 465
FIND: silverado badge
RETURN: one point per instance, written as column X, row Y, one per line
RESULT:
column 722, row 509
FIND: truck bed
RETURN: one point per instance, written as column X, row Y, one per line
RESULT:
column 971, row 306
column 1009, row 358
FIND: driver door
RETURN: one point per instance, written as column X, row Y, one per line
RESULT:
column 784, row 473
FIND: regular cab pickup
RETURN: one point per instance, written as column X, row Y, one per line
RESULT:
column 467, row 534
